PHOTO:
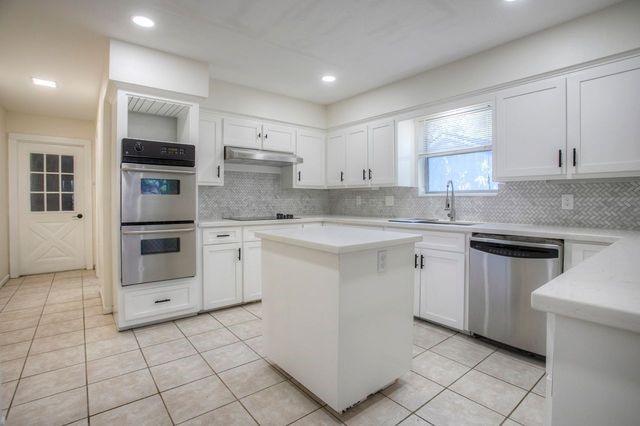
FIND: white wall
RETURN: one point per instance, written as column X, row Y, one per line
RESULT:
column 608, row 32
column 4, row 200
column 237, row 99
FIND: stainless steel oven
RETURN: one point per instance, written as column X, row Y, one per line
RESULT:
column 158, row 252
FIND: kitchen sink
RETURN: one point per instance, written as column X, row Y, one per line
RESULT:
column 432, row 221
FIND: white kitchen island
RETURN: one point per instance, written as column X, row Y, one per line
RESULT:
column 337, row 308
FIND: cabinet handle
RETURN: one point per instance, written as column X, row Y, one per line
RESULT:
column 266, row 135
column 259, row 135
column 415, row 261
column 299, row 175
column 163, row 301
column 218, row 171
column 341, row 176
column 575, row 159
column 422, row 261
column 239, row 254
column 559, row 158
column 364, row 174
column 369, row 174
column 222, row 235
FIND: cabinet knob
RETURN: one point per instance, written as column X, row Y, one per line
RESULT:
column 369, row 174
column 341, row 176
column 218, row 171
column 559, row 158
column 259, row 135
column 575, row 157
column 364, row 174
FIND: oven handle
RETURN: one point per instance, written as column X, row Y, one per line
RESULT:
column 158, row 231
column 138, row 169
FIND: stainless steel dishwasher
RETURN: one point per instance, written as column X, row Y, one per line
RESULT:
column 503, row 271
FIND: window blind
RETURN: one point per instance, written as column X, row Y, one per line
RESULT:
column 466, row 130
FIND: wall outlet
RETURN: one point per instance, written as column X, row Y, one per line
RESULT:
column 567, row 201
column 358, row 200
column 388, row 200
column 382, row 260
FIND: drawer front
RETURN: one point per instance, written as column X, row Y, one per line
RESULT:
column 221, row 236
column 159, row 302
column 249, row 233
column 447, row 241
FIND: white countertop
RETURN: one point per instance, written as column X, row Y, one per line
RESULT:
column 338, row 240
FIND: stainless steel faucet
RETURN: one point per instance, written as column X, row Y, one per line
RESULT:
column 450, row 204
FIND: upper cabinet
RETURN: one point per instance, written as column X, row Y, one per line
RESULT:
column 257, row 135
column 356, row 157
column 210, row 151
column 336, row 159
column 604, row 119
column 531, row 131
column 310, row 145
column 382, row 153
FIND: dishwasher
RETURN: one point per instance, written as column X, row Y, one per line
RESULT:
column 503, row 272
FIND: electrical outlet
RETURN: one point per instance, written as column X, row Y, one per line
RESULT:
column 358, row 200
column 382, row 260
column 388, row 200
column 567, row 201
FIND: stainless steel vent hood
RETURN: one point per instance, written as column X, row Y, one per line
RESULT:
column 260, row 157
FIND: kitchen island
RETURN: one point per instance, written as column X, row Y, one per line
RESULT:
column 337, row 306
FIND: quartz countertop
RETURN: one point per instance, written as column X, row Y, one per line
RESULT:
column 339, row 240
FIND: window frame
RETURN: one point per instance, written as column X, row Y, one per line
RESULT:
column 421, row 155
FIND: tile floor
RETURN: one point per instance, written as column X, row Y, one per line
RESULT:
column 63, row 362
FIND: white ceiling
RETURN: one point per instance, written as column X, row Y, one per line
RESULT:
column 282, row 46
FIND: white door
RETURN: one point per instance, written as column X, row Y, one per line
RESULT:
column 604, row 118
column 357, row 161
column 278, row 138
column 242, row 133
column 442, row 288
column 51, row 208
column 252, row 271
column 210, row 151
column 382, row 153
column 221, row 275
column 311, row 173
column 531, row 131
column 336, row 158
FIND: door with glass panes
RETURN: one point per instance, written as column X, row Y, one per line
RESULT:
column 50, row 208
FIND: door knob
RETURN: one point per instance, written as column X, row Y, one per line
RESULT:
column 79, row 216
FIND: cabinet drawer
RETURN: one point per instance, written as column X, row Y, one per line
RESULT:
column 447, row 241
column 161, row 302
column 249, row 233
column 221, row 236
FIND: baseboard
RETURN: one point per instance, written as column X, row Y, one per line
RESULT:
column 4, row 280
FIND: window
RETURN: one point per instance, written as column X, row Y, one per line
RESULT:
column 456, row 146
column 51, row 182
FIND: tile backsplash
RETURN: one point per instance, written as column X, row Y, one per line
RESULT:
column 599, row 204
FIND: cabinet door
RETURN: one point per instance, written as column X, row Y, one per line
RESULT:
column 356, row 158
column 210, row 151
column 336, row 158
column 531, row 131
column 416, row 283
column 221, row 275
column 242, row 133
column 252, row 271
column 311, row 173
column 603, row 120
column 382, row 153
column 442, row 288
column 278, row 138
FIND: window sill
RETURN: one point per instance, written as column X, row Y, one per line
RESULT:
column 460, row 194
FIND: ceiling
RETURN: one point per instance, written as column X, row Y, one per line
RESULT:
column 282, row 46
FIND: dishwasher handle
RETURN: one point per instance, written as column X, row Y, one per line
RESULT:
column 516, row 249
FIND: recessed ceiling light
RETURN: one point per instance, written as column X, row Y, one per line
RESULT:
column 45, row 83
column 143, row 21
column 328, row 78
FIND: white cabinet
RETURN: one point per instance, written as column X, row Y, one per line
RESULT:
column 252, row 271
column 603, row 119
column 442, row 287
column 356, row 157
column 210, row 151
column 158, row 302
column 575, row 252
column 310, row 146
column 258, row 135
column 336, row 159
column 221, row 275
column 531, row 131
column 382, row 153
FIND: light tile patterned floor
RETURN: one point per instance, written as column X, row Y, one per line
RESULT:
column 63, row 362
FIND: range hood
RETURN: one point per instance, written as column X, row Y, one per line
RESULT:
column 260, row 157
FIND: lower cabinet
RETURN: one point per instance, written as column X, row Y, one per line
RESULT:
column 575, row 253
column 440, row 280
column 221, row 275
column 252, row 271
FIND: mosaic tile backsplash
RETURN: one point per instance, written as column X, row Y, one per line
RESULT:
column 603, row 204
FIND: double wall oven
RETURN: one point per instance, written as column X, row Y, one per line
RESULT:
column 158, row 211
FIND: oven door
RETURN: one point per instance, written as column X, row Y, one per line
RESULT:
column 153, row 193
column 158, row 252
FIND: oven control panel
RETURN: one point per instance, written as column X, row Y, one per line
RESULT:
column 154, row 152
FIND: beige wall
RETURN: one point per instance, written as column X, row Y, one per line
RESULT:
column 4, row 200
column 49, row 126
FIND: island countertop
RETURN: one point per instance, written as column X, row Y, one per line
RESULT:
column 339, row 240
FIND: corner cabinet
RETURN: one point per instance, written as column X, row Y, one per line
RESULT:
column 255, row 134
column 210, row 154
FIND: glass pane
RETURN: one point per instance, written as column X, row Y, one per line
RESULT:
column 53, row 202
column 53, row 163
column 67, row 183
column 160, row 186
column 67, row 202
column 470, row 129
column 469, row 172
column 53, row 182
column 160, row 245
column 37, row 182
column 37, row 162
column 66, row 164
column 37, row 202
